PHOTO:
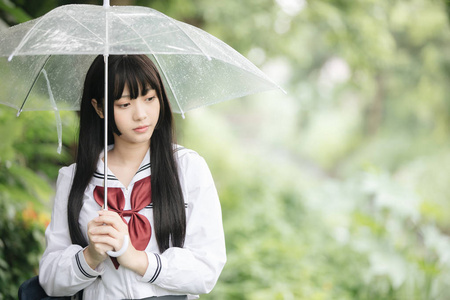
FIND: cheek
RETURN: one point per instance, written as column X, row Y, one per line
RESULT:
column 119, row 118
column 156, row 115
column 155, row 112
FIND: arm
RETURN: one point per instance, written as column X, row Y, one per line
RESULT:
column 195, row 268
column 63, row 270
column 106, row 232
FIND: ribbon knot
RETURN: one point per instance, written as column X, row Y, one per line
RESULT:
column 139, row 227
column 127, row 213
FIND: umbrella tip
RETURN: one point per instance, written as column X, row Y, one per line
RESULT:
column 18, row 113
column 10, row 57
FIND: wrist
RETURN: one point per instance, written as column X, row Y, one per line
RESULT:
column 90, row 260
column 134, row 260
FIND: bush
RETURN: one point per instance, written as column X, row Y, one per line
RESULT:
column 28, row 165
column 21, row 244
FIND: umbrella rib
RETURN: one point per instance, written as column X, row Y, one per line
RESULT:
column 25, row 39
column 73, row 37
column 141, row 37
column 34, row 27
column 32, row 86
column 82, row 25
column 188, row 36
column 157, row 61
column 170, row 85
column 55, row 108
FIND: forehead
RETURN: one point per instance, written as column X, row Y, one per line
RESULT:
column 134, row 77
column 126, row 91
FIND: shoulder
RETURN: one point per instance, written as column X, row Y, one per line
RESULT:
column 66, row 173
column 63, row 187
column 67, row 170
column 187, row 157
column 192, row 165
column 182, row 152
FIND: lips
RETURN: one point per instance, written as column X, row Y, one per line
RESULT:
column 141, row 129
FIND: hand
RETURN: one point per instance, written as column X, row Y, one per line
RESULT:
column 106, row 232
column 134, row 260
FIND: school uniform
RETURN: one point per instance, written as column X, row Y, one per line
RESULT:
column 191, row 270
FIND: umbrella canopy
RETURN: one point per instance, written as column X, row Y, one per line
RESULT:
column 49, row 56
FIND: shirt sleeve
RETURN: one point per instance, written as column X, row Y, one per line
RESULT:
column 63, row 270
column 195, row 268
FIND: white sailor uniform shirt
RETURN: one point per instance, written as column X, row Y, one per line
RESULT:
column 191, row 270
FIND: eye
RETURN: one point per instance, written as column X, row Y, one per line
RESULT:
column 123, row 105
column 149, row 95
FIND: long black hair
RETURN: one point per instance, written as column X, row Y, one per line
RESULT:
column 138, row 73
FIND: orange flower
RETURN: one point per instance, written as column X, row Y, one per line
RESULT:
column 44, row 219
column 29, row 214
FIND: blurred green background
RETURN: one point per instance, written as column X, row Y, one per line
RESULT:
column 338, row 190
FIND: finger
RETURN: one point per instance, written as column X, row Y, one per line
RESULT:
column 105, row 230
column 94, row 223
column 110, row 220
column 109, row 213
column 105, row 240
column 101, row 248
column 110, row 242
column 92, row 228
column 115, row 221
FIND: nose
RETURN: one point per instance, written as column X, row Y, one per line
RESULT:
column 139, row 113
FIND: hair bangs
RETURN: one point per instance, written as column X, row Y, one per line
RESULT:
column 131, row 73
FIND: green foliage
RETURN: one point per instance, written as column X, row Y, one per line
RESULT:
column 291, row 237
column 28, row 165
column 13, row 13
column 21, row 244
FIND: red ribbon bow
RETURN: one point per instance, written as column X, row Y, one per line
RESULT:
column 139, row 227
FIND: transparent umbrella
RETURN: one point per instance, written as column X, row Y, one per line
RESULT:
column 58, row 48
column 43, row 62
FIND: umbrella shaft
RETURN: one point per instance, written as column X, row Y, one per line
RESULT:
column 105, row 108
column 105, row 116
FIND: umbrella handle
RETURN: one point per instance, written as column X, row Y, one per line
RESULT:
column 126, row 242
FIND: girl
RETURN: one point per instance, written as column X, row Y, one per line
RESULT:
column 159, row 194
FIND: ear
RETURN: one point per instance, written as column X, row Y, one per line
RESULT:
column 99, row 110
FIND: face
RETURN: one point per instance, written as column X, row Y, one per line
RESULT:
column 136, row 118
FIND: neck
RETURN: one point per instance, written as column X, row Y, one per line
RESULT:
column 128, row 154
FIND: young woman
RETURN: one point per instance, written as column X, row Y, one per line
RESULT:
column 160, row 195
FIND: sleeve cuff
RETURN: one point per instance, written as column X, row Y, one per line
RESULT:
column 83, row 270
column 155, row 265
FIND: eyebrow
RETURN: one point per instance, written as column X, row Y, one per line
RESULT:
column 144, row 92
column 124, row 96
